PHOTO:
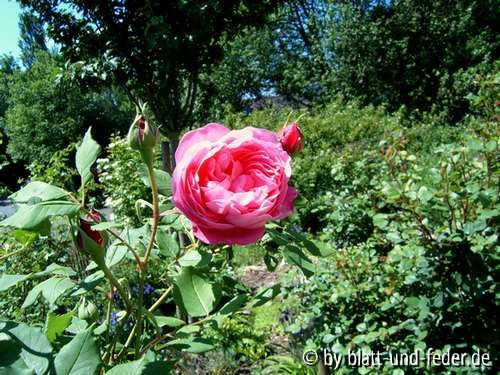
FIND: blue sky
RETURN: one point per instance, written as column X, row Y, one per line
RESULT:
column 9, row 30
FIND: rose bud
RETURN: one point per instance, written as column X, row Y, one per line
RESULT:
column 87, row 311
column 142, row 135
column 86, row 233
column 291, row 138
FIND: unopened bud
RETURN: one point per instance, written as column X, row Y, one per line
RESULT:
column 142, row 135
column 291, row 138
column 86, row 233
column 87, row 311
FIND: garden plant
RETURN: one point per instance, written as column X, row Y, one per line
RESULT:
column 228, row 184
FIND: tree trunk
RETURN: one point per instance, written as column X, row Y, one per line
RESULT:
column 322, row 368
column 168, row 153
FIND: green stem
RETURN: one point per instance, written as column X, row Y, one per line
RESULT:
column 13, row 253
column 127, row 343
column 132, row 250
column 161, row 299
column 116, row 284
column 156, row 215
column 143, row 265
column 134, row 329
column 108, row 311
column 139, row 316
column 108, row 323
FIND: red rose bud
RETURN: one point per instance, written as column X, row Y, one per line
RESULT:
column 291, row 138
column 142, row 135
column 93, row 235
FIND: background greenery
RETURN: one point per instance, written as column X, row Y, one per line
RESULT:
column 398, row 179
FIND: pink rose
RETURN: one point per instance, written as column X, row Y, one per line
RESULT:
column 291, row 138
column 230, row 183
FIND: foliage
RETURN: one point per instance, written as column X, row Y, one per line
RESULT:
column 50, row 113
column 241, row 344
column 57, row 171
column 423, row 56
column 8, row 66
column 168, row 49
column 238, row 334
column 485, row 101
column 123, row 322
column 32, row 38
column 414, row 263
column 121, row 179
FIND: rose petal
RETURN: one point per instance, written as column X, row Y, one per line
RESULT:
column 236, row 236
column 209, row 133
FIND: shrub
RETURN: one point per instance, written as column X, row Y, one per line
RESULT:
column 120, row 175
column 423, row 273
column 58, row 170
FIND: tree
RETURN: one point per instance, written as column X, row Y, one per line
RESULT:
column 32, row 37
column 9, row 172
column 46, row 112
column 408, row 52
column 158, row 50
column 284, row 58
column 424, row 55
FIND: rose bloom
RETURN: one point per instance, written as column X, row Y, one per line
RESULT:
column 230, row 183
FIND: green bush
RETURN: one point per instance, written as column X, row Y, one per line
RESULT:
column 414, row 261
column 58, row 170
column 120, row 175
column 48, row 112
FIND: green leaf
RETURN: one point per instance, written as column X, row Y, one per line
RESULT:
column 35, row 348
column 11, row 362
column 195, row 345
column 31, row 216
column 7, row 281
column 424, row 194
column 57, row 269
column 195, row 258
column 144, row 366
column 412, row 302
column 473, row 227
column 51, row 290
column 163, row 180
column 167, row 244
column 173, row 221
column 38, row 190
column 77, row 326
column 168, row 321
column 188, row 330
column 279, row 238
column 56, row 324
column 78, row 357
column 297, row 257
column 114, row 255
column 136, row 237
column 380, row 220
column 86, row 155
column 308, row 244
column 195, row 293
column 233, row 304
column 265, row 295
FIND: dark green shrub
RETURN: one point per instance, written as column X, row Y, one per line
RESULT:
column 425, row 274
